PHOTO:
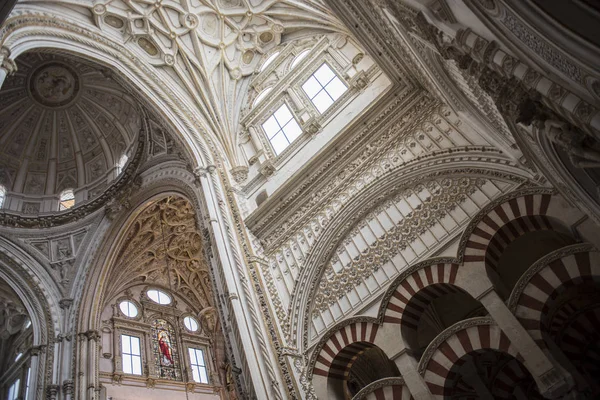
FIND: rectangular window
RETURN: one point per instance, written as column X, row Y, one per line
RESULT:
column 323, row 88
column 281, row 128
column 132, row 359
column 13, row 390
column 198, row 365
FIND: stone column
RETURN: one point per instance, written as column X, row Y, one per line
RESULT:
column 549, row 379
column 414, row 381
column 7, row 65
column 264, row 378
column 34, row 364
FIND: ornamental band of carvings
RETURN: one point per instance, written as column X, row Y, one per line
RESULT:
column 446, row 194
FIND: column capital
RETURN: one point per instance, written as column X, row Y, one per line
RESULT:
column 6, row 62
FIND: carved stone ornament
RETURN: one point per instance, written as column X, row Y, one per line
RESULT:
column 52, row 392
column 240, row 174
column 267, row 168
column 163, row 245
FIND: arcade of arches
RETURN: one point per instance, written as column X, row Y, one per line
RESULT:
column 299, row 199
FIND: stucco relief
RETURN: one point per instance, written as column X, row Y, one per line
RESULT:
column 163, row 245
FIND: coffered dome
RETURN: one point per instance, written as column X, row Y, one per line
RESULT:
column 63, row 125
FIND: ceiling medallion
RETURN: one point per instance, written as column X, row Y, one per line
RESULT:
column 54, row 85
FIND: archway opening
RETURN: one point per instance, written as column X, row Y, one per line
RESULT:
column 512, row 251
column 355, row 367
column 571, row 329
column 433, row 309
column 16, row 341
column 489, row 374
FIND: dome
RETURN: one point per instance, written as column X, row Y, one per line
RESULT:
column 64, row 126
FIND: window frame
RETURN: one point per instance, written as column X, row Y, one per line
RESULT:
column 195, row 348
column 278, row 105
column 160, row 292
column 61, row 206
column 14, row 390
column 323, row 87
column 3, row 192
column 130, row 335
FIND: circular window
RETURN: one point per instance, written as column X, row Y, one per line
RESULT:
column 191, row 324
column 128, row 309
column 158, row 296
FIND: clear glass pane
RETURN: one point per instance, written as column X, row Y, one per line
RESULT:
column 324, row 74
column 336, row 88
column 192, row 353
column 127, row 364
column 279, row 142
column 299, row 58
column 135, row 346
column 292, row 130
column 311, row 87
column 269, row 61
column 200, row 357
column 125, row 344
column 203, row 376
column 127, row 308
column 190, row 323
column 137, row 365
column 271, row 127
column 195, row 373
column 283, row 115
column 261, row 96
column 153, row 295
column 322, row 101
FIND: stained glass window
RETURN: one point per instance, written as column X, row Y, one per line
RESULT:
column 164, row 347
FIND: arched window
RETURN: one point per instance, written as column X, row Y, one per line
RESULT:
column 121, row 163
column 269, row 61
column 67, row 200
column 299, row 58
column 2, row 195
column 261, row 96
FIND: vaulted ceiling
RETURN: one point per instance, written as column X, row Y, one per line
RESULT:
column 206, row 49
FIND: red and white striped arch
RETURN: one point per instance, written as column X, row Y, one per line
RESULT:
column 548, row 283
column 437, row 368
column 343, row 347
column 421, row 287
column 506, row 222
column 392, row 392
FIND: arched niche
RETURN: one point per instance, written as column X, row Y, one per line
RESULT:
column 558, row 302
column 489, row 374
column 30, row 320
column 433, row 309
column 355, row 367
column 518, row 244
column 158, row 265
